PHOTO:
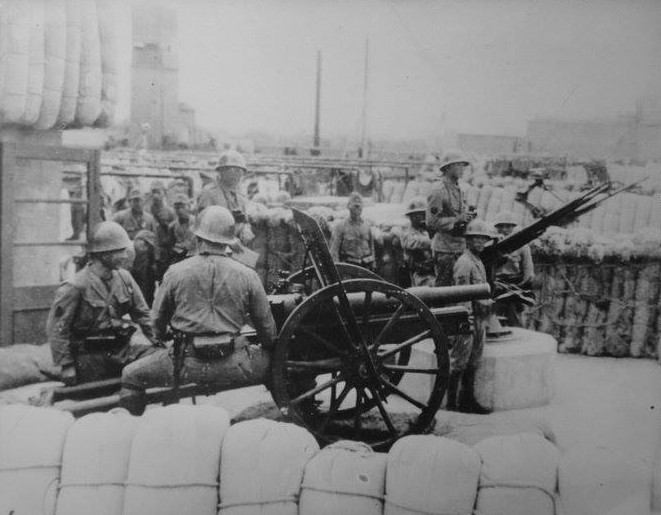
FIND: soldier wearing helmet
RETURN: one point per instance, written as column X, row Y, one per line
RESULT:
column 447, row 216
column 352, row 241
column 514, row 269
column 417, row 245
column 224, row 191
column 134, row 219
column 163, row 217
column 467, row 351
column 206, row 300
column 88, row 337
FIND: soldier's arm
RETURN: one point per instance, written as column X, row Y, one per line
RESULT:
column 163, row 308
column 139, row 311
column 434, row 216
column 60, row 320
column 415, row 240
column 260, row 313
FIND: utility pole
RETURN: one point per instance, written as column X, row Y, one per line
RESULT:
column 363, row 150
column 316, row 142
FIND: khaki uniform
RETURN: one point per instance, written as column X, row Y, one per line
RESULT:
column 88, row 306
column 417, row 253
column 352, row 242
column 467, row 351
column 133, row 224
column 518, row 264
column 445, row 202
column 209, row 293
column 214, row 195
column 181, row 237
column 163, row 217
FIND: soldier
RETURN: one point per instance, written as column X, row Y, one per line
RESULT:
column 224, row 191
column 206, row 300
column 163, row 217
column 88, row 336
column 447, row 216
column 352, row 240
column 417, row 245
column 466, row 352
column 134, row 219
column 515, row 268
column 180, row 230
column 282, row 241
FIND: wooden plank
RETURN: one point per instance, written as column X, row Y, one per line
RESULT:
column 7, row 167
column 94, row 192
column 55, row 153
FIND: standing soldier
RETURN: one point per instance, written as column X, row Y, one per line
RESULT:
column 180, row 231
column 224, row 191
column 134, row 219
column 447, row 216
column 206, row 300
column 417, row 245
column 352, row 241
column 467, row 351
column 88, row 337
column 163, row 217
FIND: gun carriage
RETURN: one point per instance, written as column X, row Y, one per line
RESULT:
column 344, row 362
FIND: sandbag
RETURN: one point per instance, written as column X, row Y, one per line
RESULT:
column 55, row 54
column 72, row 64
column 24, row 364
column 345, row 477
column 174, row 461
column 14, row 60
column 261, row 467
column 519, row 475
column 37, row 65
column 431, row 474
column 88, row 107
column 601, row 481
column 95, row 464
column 31, row 445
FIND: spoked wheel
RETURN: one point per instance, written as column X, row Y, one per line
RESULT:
column 375, row 374
column 308, row 277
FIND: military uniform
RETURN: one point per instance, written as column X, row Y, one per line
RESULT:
column 207, row 294
column 89, row 306
column 352, row 242
column 182, row 238
column 214, row 195
column 466, row 352
column 445, row 202
column 133, row 224
column 417, row 253
column 517, row 265
column 163, row 217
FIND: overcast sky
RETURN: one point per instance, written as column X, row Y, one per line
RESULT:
column 470, row 66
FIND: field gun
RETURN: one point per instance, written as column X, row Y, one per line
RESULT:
column 356, row 357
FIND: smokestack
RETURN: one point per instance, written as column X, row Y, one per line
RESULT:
column 316, row 140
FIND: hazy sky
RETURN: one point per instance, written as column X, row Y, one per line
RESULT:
column 469, row 66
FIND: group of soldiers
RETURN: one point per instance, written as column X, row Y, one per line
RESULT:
column 205, row 298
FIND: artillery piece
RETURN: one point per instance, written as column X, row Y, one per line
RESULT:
column 344, row 362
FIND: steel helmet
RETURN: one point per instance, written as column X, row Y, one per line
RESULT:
column 231, row 158
column 479, row 228
column 452, row 157
column 108, row 236
column 216, row 225
column 416, row 205
column 505, row 218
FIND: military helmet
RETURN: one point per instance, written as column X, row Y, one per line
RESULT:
column 135, row 193
column 416, row 205
column 231, row 158
column 107, row 237
column 453, row 156
column 181, row 198
column 479, row 228
column 216, row 225
column 505, row 218
column 355, row 199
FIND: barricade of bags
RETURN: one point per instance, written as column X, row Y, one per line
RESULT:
column 188, row 459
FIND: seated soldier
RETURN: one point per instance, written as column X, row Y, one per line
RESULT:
column 352, row 241
column 89, row 339
column 417, row 246
column 206, row 300
column 515, row 268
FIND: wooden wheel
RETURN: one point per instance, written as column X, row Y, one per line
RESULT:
column 344, row 365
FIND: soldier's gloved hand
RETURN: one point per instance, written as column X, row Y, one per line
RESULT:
column 68, row 375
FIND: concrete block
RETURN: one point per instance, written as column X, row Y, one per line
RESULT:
column 516, row 371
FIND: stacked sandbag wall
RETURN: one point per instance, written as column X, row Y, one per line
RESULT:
column 188, row 459
column 59, row 62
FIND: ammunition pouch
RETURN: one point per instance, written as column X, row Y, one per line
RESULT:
column 215, row 346
column 108, row 340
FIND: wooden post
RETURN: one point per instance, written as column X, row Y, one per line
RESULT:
column 7, row 166
column 93, row 192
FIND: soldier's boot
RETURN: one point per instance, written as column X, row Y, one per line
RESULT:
column 134, row 401
column 453, row 391
column 467, row 401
